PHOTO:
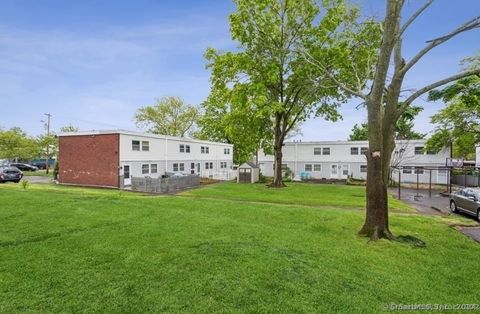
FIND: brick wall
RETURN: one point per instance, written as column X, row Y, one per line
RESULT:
column 89, row 160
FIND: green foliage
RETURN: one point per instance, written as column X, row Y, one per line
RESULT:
column 15, row 143
column 168, row 116
column 403, row 129
column 68, row 128
column 267, row 87
column 459, row 121
column 56, row 169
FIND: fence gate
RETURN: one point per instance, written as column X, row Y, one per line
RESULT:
column 245, row 175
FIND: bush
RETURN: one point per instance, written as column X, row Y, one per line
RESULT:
column 25, row 184
column 55, row 171
column 261, row 178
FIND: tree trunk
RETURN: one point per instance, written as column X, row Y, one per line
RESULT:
column 277, row 174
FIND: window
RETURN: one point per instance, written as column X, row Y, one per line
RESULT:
column 187, row 148
column 145, row 146
column 182, row 148
column 419, row 150
column 192, row 166
column 353, row 150
column 363, row 150
column 317, row 167
column 326, row 151
column 363, row 168
column 308, row 167
column 204, row 149
column 175, row 167
column 419, row 170
column 136, row 145
column 209, row 165
column 430, row 152
column 223, row 165
column 317, row 151
column 284, row 167
column 145, row 169
column 181, row 166
column 153, row 168
column 407, row 170
column 226, row 151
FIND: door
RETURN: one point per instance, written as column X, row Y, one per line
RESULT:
column 334, row 172
column 245, row 175
column 192, row 168
column 127, row 180
column 345, row 170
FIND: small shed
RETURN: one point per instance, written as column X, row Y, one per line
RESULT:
column 248, row 173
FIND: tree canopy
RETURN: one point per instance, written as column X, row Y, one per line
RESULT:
column 459, row 122
column 168, row 116
column 16, row 144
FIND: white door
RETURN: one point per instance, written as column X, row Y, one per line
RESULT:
column 334, row 172
column 127, row 179
column 344, row 171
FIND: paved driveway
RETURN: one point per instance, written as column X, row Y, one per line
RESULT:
column 422, row 202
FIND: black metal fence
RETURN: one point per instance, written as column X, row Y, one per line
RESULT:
column 164, row 185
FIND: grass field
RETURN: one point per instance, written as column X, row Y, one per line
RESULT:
column 85, row 250
column 325, row 195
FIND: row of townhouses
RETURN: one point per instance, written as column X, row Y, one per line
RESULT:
column 112, row 158
column 340, row 159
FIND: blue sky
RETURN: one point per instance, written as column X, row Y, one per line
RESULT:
column 93, row 63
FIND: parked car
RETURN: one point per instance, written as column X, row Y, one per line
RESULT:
column 466, row 200
column 10, row 174
column 24, row 167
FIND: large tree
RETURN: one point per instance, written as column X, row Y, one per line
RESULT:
column 168, row 116
column 385, row 104
column 458, row 123
column 16, row 144
column 403, row 129
column 267, row 81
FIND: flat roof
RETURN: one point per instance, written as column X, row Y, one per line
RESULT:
column 342, row 142
column 141, row 134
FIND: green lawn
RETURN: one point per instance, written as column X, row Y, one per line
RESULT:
column 325, row 195
column 84, row 250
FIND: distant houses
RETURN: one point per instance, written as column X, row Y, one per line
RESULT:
column 340, row 159
column 110, row 158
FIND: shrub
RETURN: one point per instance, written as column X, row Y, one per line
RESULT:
column 25, row 184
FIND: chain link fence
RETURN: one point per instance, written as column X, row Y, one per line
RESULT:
column 164, row 185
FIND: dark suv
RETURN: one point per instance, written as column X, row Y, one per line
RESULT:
column 10, row 174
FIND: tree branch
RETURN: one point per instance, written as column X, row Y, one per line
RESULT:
column 309, row 59
column 414, row 17
column 428, row 88
column 473, row 23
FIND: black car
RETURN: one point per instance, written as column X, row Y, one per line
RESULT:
column 10, row 174
column 24, row 167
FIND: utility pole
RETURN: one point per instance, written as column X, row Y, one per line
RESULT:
column 48, row 144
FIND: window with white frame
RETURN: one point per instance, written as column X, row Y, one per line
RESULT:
column 145, row 146
column 223, row 165
column 317, row 167
column 153, row 168
column 419, row 150
column 363, row 150
column 181, row 166
column 226, row 151
column 353, row 150
column 317, row 150
column 204, row 149
column 136, row 145
column 175, row 167
column 419, row 170
column 363, row 168
column 187, row 148
column 407, row 170
column 145, row 169
column 326, row 151
column 209, row 165
column 182, row 148
column 308, row 167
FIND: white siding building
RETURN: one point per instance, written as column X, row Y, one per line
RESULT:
column 112, row 158
column 340, row 159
